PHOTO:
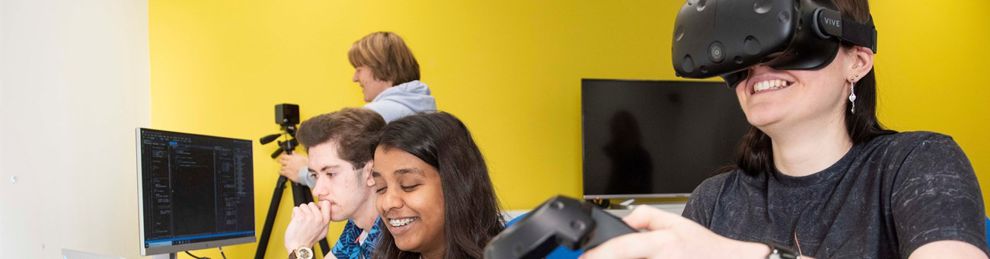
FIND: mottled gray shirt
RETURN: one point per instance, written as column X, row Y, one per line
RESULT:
column 883, row 199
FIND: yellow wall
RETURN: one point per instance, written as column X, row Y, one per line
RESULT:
column 511, row 70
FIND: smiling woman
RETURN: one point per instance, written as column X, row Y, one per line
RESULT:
column 818, row 175
column 434, row 193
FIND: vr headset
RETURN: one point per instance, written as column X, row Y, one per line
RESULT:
column 726, row 37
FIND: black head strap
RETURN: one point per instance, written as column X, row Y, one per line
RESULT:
column 833, row 23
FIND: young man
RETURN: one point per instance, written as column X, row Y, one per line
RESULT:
column 340, row 161
column 388, row 74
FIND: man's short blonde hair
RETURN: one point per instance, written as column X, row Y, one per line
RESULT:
column 387, row 56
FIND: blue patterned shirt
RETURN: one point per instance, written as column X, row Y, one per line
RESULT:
column 348, row 247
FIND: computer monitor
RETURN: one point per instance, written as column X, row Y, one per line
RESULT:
column 196, row 191
column 656, row 138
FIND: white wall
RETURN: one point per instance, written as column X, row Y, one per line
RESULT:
column 74, row 84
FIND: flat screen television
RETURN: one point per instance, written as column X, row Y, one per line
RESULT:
column 656, row 138
column 195, row 191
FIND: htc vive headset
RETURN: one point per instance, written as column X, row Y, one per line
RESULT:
column 726, row 37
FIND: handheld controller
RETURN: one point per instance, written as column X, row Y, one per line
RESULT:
column 559, row 221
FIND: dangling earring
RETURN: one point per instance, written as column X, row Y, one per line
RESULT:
column 852, row 96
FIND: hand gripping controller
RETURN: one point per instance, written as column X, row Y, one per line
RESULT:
column 559, row 221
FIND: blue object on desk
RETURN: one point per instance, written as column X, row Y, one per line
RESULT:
column 559, row 253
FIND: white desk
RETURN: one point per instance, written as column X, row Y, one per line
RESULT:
column 675, row 208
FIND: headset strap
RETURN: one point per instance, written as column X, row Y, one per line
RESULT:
column 833, row 23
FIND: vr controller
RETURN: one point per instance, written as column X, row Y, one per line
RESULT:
column 559, row 221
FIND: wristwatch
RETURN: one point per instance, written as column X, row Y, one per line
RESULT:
column 780, row 252
column 302, row 253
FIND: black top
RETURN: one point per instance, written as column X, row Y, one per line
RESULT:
column 883, row 199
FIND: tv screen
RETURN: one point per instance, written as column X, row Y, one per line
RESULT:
column 656, row 138
column 195, row 191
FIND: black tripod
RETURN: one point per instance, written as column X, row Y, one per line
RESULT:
column 287, row 116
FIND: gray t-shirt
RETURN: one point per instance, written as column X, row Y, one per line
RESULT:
column 883, row 199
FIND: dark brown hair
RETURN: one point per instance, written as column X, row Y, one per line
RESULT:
column 354, row 129
column 387, row 56
column 755, row 151
column 471, row 211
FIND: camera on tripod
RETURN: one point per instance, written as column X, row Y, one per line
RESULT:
column 286, row 116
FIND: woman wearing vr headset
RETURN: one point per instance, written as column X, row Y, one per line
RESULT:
column 818, row 176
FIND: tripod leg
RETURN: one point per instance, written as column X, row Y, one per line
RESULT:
column 324, row 246
column 301, row 194
column 266, row 233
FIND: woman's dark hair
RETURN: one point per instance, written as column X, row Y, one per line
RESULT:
column 471, row 210
column 755, row 151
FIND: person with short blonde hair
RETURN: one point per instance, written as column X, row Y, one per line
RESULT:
column 388, row 74
column 387, row 55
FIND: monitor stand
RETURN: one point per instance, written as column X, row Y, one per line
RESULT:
column 165, row 256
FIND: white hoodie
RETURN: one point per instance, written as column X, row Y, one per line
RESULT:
column 403, row 100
